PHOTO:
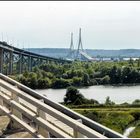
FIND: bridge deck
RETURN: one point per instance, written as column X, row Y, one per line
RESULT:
column 49, row 118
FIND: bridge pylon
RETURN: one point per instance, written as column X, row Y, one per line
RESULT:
column 71, row 53
column 80, row 46
column 81, row 53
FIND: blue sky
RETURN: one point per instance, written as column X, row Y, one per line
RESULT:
column 48, row 24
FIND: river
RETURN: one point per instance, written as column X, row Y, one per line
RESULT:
column 119, row 94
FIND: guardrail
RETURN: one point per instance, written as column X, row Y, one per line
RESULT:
column 18, row 91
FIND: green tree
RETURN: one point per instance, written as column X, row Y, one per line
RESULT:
column 136, row 102
column 32, row 81
column 113, row 75
column 43, row 83
column 131, row 62
column 108, row 101
column 77, row 81
column 125, row 74
column 73, row 96
column 61, row 83
column 86, row 79
column 138, row 62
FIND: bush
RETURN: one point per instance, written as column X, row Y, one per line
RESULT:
column 106, row 80
column 136, row 102
column 108, row 101
column 73, row 96
column 43, row 83
column 77, row 81
column 61, row 83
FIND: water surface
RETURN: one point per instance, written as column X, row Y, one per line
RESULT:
column 119, row 94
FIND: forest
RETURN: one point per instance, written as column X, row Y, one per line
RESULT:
column 81, row 74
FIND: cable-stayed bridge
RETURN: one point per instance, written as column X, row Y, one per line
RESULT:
column 80, row 53
column 85, row 56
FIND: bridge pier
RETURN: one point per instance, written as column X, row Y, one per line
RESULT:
column 11, row 63
column 20, row 63
column 1, row 60
column 29, row 63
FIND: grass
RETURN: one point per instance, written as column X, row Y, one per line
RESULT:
column 135, row 133
column 117, row 119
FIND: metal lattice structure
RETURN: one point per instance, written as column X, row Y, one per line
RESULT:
column 15, row 61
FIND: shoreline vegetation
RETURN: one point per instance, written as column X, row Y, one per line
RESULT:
column 82, row 74
column 118, row 117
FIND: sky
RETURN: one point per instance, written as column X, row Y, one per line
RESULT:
column 48, row 24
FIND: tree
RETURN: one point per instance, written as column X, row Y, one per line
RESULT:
column 86, row 79
column 138, row 63
column 43, row 83
column 113, row 75
column 61, row 83
column 32, row 80
column 136, row 102
column 73, row 96
column 131, row 61
column 77, row 81
column 125, row 74
column 108, row 101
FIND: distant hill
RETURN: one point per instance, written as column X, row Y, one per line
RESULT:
column 62, row 52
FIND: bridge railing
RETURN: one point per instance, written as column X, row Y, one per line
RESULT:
column 89, row 128
column 20, row 106
column 21, row 111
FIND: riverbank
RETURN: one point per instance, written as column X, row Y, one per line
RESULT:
column 81, row 74
column 118, row 119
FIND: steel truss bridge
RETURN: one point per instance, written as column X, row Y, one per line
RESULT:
column 15, row 61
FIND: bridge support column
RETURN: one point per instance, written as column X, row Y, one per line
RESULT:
column 11, row 63
column 41, row 130
column 30, row 63
column 20, row 63
column 1, row 60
